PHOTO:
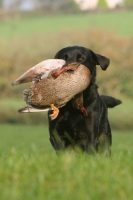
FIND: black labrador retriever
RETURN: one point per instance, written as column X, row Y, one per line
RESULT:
column 71, row 128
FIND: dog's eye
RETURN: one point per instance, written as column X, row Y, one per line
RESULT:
column 65, row 57
column 79, row 59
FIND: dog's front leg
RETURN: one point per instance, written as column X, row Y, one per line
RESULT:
column 105, row 140
column 56, row 141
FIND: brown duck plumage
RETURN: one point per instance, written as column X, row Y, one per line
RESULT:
column 60, row 90
column 53, row 86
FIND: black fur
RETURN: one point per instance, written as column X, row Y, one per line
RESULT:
column 71, row 127
column 110, row 102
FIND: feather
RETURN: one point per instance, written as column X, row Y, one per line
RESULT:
column 40, row 71
column 30, row 109
column 60, row 90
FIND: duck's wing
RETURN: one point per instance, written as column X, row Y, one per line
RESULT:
column 40, row 71
column 30, row 109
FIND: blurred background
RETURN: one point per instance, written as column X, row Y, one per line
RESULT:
column 34, row 30
column 30, row 32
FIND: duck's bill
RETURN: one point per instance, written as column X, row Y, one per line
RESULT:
column 30, row 109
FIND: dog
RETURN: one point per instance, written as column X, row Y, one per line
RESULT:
column 91, row 133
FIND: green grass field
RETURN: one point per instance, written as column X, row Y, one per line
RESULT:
column 116, row 22
column 30, row 169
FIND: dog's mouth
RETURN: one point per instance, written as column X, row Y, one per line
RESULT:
column 67, row 68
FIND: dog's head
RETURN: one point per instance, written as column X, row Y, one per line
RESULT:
column 84, row 56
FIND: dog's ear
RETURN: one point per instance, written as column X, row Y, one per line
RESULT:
column 100, row 60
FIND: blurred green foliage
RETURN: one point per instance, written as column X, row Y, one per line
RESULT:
column 102, row 4
column 128, row 2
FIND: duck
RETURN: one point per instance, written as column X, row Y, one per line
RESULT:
column 54, row 87
column 40, row 71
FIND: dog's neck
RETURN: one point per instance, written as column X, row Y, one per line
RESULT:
column 93, row 76
column 90, row 94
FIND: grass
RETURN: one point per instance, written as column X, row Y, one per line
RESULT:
column 22, row 137
column 115, row 22
column 30, row 169
column 121, row 117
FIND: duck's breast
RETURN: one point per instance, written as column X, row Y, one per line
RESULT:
column 59, row 90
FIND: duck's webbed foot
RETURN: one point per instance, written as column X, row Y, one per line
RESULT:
column 55, row 113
